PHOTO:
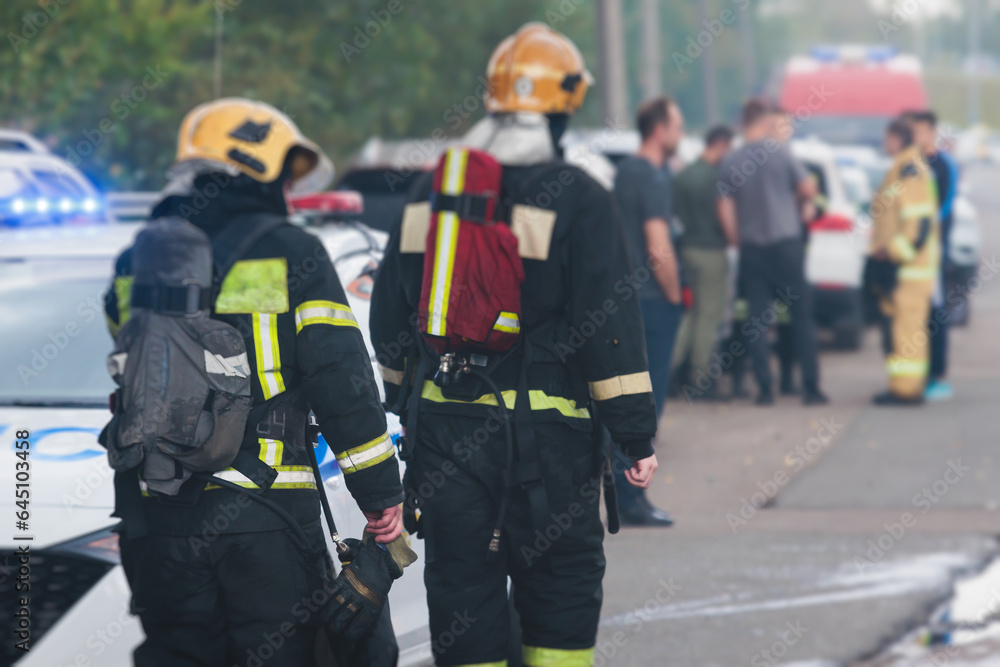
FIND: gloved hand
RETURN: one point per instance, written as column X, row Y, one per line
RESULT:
column 360, row 591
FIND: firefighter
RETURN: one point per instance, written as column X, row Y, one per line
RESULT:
column 581, row 347
column 905, row 242
column 213, row 575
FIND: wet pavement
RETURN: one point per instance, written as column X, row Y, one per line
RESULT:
column 829, row 535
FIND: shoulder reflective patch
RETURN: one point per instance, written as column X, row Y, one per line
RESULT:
column 324, row 312
column 238, row 366
column 416, row 223
column 533, row 228
column 123, row 298
column 621, row 385
column 255, row 286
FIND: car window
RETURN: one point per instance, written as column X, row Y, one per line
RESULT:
column 11, row 183
column 55, row 340
column 817, row 173
column 52, row 184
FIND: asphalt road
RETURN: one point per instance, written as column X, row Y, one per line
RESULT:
column 818, row 536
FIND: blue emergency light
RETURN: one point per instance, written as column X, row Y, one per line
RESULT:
column 43, row 205
column 873, row 54
column 47, row 210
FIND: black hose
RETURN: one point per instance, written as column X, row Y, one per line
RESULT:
column 299, row 534
column 509, row 436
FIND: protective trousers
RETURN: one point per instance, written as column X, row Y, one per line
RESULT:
column 227, row 600
column 906, row 338
column 557, row 568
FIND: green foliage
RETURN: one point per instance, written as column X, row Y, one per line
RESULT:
column 314, row 60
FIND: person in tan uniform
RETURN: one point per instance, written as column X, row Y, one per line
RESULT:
column 905, row 252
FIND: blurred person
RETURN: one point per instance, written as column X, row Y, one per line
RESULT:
column 761, row 191
column 644, row 196
column 482, row 520
column 945, row 169
column 903, row 264
column 703, row 255
column 209, row 600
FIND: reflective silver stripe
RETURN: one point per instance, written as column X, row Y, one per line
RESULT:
column 116, row 364
column 237, row 366
column 284, row 477
column 366, row 455
column 508, row 322
column 621, row 385
column 323, row 312
column 271, row 451
column 265, row 330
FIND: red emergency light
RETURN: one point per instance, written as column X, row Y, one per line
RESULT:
column 338, row 201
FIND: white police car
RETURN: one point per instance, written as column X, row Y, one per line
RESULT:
column 38, row 188
column 55, row 386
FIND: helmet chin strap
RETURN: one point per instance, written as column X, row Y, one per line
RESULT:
column 558, row 122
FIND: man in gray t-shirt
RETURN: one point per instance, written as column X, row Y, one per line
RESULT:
column 761, row 191
column 765, row 182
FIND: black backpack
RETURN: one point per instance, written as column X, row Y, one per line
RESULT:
column 184, row 378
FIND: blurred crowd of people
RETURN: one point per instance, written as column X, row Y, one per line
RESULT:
column 725, row 240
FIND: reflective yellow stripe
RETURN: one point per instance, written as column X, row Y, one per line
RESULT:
column 289, row 477
column 265, row 341
column 367, row 455
column 508, row 322
column 621, row 385
column 537, row 399
column 271, row 451
column 389, row 375
column 917, row 273
column 923, row 210
column 255, row 286
column 324, row 312
column 904, row 248
column 445, row 244
column 900, row 367
column 535, row 656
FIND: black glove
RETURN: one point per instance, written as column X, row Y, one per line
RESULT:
column 360, row 591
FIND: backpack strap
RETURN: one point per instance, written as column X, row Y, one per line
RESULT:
column 526, row 470
column 236, row 238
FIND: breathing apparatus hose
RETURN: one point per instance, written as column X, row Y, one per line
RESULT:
column 509, row 435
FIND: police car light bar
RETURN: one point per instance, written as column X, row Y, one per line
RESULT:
column 853, row 53
column 43, row 205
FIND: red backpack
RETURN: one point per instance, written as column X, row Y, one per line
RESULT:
column 471, row 293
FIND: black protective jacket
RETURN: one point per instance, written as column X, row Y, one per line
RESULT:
column 580, row 310
column 306, row 352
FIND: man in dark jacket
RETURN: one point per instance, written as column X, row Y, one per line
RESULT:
column 216, row 578
column 581, row 326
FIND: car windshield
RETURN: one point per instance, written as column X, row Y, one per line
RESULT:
column 55, row 340
column 11, row 183
column 854, row 130
column 57, row 185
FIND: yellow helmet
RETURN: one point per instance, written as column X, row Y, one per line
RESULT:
column 251, row 137
column 536, row 69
